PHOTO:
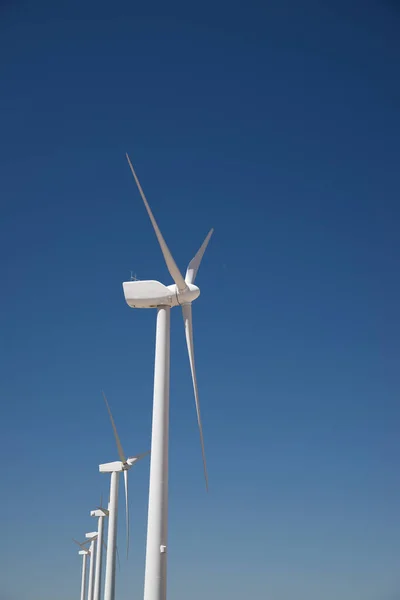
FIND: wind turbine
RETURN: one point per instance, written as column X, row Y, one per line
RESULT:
column 153, row 294
column 84, row 552
column 100, row 513
column 92, row 537
column 115, row 468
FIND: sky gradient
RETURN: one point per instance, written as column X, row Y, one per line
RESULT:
column 278, row 125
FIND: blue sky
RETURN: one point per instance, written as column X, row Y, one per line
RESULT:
column 278, row 125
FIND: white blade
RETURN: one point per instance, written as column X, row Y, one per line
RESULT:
column 187, row 318
column 126, row 511
column 120, row 451
column 194, row 264
column 134, row 459
column 171, row 265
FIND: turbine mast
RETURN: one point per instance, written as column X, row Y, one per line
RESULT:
column 109, row 583
column 155, row 587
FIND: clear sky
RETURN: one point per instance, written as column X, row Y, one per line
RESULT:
column 278, row 124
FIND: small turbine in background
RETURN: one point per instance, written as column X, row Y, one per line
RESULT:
column 115, row 468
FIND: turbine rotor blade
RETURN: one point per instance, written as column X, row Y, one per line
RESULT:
column 171, row 264
column 126, row 511
column 194, row 264
column 134, row 459
column 82, row 544
column 119, row 562
column 187, row 318
column 120, row 451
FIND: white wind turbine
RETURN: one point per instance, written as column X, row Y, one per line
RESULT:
column 153, row 294
column 100, row 513
column 115, row 468
column 92, row 537
column 84, row 552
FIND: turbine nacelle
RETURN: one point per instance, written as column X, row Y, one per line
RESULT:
column 112, row 467
column 150, row 294
column 84, row 552
column 99, row 512
column 117, row 466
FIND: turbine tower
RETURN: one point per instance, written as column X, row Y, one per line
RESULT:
column 100, row 513
column 115, row 468
column 84, row 552
column 92, row 537
column 153, row 294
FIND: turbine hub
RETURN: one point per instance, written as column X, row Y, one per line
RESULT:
column 189, row 295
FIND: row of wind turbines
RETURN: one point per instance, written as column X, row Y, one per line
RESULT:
column 147, row 294
column 91, row 549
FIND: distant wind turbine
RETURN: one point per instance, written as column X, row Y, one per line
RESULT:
column 115, row 468
column 92, row 537
column 84, row 552
column 100, row 513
